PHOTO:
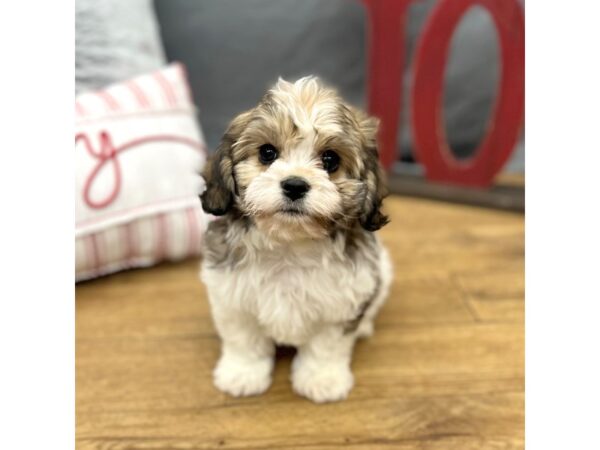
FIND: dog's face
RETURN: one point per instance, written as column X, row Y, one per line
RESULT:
column 300, row 164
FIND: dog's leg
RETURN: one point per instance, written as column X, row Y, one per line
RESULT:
column 247, row 355
column 365, row 328
column 321, row 369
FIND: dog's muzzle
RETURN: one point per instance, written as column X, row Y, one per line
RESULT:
column 295, row 188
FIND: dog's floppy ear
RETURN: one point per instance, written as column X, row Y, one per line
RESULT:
column 372, row 218
column 217, row 199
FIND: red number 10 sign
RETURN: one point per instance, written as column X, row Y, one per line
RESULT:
column 386, row 57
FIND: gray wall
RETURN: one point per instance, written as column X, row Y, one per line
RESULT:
column 235, row 49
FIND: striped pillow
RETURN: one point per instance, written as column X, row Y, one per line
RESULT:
column 138, row 155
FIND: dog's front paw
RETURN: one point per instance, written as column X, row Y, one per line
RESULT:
column 240, row 377
column 324, row 383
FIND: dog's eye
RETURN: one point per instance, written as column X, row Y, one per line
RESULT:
column 331, row 161
column 267, row 154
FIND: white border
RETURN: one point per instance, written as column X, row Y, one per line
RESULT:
column 37, row 224
column 562, row 225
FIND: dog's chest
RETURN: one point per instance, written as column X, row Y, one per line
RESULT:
column 293, row 293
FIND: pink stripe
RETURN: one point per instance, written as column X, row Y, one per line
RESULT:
column 133, row 240
column 183, row 111
column 181, row 70
column 161, row 237
column 192, row 221
column 80, row 110
column 130, row 210
column 92, row 250
column 138, row 94
column 167, row 88
column 126, row 243
column 130, row 248
column 110, row 101
column 86, row 252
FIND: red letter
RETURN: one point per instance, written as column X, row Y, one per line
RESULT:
column 386, row 64
column 427, row 111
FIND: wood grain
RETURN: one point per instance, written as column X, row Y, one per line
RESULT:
column 444, row 370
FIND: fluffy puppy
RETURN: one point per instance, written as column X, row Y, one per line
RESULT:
column 294, row 260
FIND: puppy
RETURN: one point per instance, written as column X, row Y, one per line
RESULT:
column 294, row 260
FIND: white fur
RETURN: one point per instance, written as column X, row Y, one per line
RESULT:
column 289, row 282
column 299, row 294
column 264, row 196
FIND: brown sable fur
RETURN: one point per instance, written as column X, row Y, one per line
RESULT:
column 360, row 183
column 293, row 259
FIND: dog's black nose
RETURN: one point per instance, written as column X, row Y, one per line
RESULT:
column 294, row 187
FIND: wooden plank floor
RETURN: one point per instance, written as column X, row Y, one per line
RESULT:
column 444, row 370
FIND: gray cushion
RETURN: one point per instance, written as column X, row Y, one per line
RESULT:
column 114, row 40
